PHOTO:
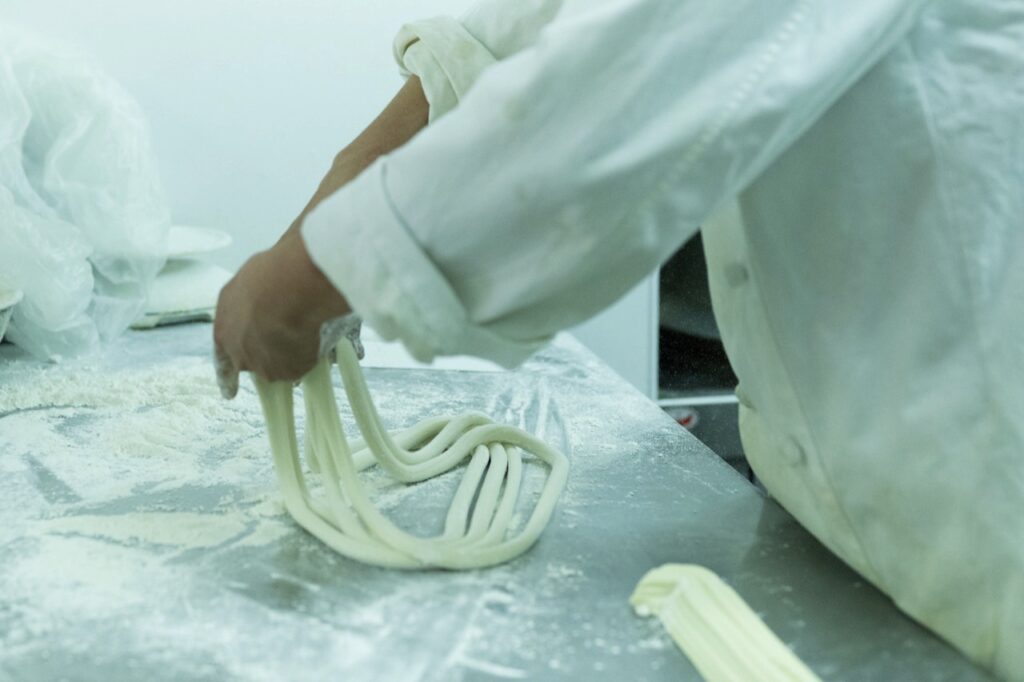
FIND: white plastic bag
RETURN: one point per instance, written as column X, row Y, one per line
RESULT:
column 83, row 218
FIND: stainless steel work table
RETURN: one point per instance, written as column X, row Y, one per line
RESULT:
column 141, row 538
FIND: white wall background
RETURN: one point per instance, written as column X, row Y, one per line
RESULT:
column 249, row 100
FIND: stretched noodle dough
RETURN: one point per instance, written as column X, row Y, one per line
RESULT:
column 715, row 628
column 344, row 518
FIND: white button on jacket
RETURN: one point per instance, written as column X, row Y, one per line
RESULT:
column 876, row 149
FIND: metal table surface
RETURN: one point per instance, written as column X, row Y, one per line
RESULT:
column 141, row 537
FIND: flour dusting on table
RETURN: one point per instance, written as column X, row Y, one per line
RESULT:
column 145, row 484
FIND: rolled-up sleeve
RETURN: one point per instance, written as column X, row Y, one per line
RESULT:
column 446, row 58
column 368, row 252
column 574, row 167
column 448, row 55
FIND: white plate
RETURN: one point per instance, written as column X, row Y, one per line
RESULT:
column 184, row 291
column 187, row 241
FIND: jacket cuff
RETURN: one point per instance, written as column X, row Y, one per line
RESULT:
column 446, row 58
column 362, row 245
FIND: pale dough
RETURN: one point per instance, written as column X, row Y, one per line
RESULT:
column 344, row 518
column 715, row 628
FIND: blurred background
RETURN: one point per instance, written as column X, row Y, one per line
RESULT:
column 248, row 100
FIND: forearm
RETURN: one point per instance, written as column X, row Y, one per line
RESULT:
column 398, row 123
column 259, row 327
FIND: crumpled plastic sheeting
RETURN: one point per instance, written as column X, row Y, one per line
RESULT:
column 83, row 217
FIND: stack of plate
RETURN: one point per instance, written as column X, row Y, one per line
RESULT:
column 186, row 289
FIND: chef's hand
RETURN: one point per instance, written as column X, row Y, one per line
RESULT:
column 269, row 316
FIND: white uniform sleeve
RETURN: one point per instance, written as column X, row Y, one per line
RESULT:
column 448, row 55
column 572, row 169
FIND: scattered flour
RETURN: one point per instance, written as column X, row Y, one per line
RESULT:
column 178, row 529
column 563, row 572
column 186, row 381
column 119, row 474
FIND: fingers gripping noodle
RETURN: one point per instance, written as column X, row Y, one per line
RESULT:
column 344, row 518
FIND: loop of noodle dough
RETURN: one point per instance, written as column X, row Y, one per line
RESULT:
column 474, row 535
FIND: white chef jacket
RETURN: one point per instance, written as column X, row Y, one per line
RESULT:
column 869, row 282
